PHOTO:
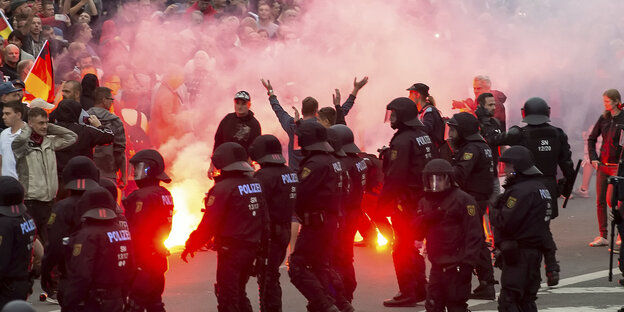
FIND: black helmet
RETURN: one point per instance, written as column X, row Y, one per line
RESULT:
column 111, row 187
column 406, row 111
column 313, row 137
column 467, row 126
column 437, row 176
column 521, row 159
column 266, row 149
column 80, row 174
column 18, row 306
column 346, row 137
column 11, row 197
column 231, row 156
column 149, row 163
column 333, row 137
column 535, row 111
column 97, row 203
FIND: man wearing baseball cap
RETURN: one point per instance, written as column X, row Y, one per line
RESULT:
column 240, row 126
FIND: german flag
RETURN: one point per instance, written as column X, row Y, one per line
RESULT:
column 40, row 81
column 5, row 27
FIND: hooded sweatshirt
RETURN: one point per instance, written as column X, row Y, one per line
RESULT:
column 66, row 115
column 110, row 158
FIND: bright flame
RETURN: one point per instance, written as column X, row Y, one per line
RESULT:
column 381, row 240
column 185, row 219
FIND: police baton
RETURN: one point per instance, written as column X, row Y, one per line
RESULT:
column 576, row 171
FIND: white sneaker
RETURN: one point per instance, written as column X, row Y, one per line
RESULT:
column 582, row 193
column 52, row 300
column 599, row 242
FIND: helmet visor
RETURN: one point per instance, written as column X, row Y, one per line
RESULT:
column 437, row 183
column 139, row 171
column 390, row 116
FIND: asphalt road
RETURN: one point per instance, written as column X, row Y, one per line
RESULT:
column 584, row 285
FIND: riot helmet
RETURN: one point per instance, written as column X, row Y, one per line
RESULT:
column 11, row 197
column 98, row 204
column 333, row 137
column 80, row 174
column 521, row 159
column 148, row 163
column 437, row 176
column 535, row 111
column 466, row 125
column 18, row 306
column 346, row 137
column 402, row 111
column 313, row 137
column 266, row 149
column 231, row 156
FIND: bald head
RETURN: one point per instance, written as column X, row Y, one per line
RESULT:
column 12, row 55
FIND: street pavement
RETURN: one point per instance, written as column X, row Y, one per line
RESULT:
column 584, row 285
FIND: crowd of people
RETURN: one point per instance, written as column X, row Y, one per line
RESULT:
column 64, row 163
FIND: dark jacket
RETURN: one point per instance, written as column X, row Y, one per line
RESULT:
column 242, row 130
column 63, row 222
column 279, row 186
column 66, row 115
column 451, row 225
column 236, row 213
column 473, row 169
column 356, row 170
column 320, row 185
column 99, row 259
column 522, row 213
column 110, row 158
column 18, row 236
column 434, row 125
column 149, row 211
column 492, row 131
column 609, row 127
column 410, row 150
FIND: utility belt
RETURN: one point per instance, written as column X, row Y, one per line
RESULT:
column 279, row 227
column 103, row 294
column 316, row 218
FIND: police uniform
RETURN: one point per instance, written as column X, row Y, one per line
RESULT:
column 236, row 217
column 317, row 207
column 81, row 174
column 17, row 236
column 430, row 116
column 99, row 257
column 549, row 147
column 448, row 219
column 520, row 219
column 279, row 186
column 355, row 168
column 370, row 217
column 473, row 170
column 410, row 149
column 149, row 211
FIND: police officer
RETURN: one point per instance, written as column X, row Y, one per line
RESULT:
column 81, row 174
column 549, row 147
column 520, row 219
column 17, row 236
column 428, row 114
column 236, row 218
column 410, row 149
column 18, row 306
column 279, row 186
column 356, row 170
column 99, row 260
column 149, row 211
column 448, row 219
column 473, row 170
column 317, row 208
